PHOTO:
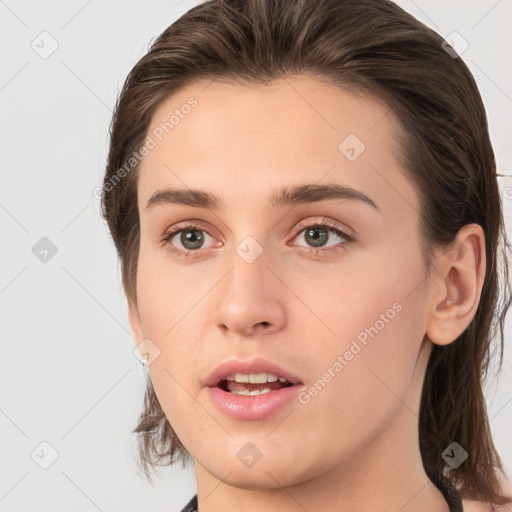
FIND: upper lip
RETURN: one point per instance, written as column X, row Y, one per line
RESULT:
column 248, row 366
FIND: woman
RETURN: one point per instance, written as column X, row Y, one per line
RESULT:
column 303, row 197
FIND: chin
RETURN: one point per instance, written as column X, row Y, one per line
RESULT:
column 275, row 472
column 255, row 479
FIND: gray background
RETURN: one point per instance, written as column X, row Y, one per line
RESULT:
column 68, row 374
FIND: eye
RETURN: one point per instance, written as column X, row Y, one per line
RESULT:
column 191, row 237
column 317, row 235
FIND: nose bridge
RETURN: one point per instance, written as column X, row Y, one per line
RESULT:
column 249, row 295
column 249, row 245
column 249, row 276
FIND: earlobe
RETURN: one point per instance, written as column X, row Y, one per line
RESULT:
column 461, row 272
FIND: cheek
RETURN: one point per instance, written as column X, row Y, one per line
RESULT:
column 169, row 306
column 169, row 297
column 365, row 297
column 375, row 313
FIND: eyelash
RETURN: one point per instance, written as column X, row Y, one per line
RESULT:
column 333, row 227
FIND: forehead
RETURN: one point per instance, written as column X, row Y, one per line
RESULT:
column 243, row 143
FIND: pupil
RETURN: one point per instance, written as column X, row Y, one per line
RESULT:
column 192, row 237
column 320, row 238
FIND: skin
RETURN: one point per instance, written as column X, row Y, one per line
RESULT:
column 354, row 446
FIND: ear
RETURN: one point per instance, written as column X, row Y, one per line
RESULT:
column 459, row 275
column 135, row 323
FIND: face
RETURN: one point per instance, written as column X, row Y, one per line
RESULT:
column 328, row 288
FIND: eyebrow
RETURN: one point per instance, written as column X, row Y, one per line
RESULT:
column 287, row 196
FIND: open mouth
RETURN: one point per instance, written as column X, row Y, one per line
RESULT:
column 253, row 384
column 251, row 390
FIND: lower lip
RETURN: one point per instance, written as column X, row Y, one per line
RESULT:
column 255, row 407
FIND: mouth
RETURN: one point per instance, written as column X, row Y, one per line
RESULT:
column 253, row 384
column 239, row 376
column 251, row 390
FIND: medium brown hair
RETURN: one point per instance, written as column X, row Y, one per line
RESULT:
column 367, row 47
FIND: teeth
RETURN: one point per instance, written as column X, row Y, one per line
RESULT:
column 246, row 392
column 255, row 378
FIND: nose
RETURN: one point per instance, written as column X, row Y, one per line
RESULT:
column 250, row 299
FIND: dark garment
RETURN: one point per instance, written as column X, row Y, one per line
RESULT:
column 450, row 493
column 444, row 484
column 191, row 506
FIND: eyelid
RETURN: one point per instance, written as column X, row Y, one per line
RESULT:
column 325, row 223
column 189, row 225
